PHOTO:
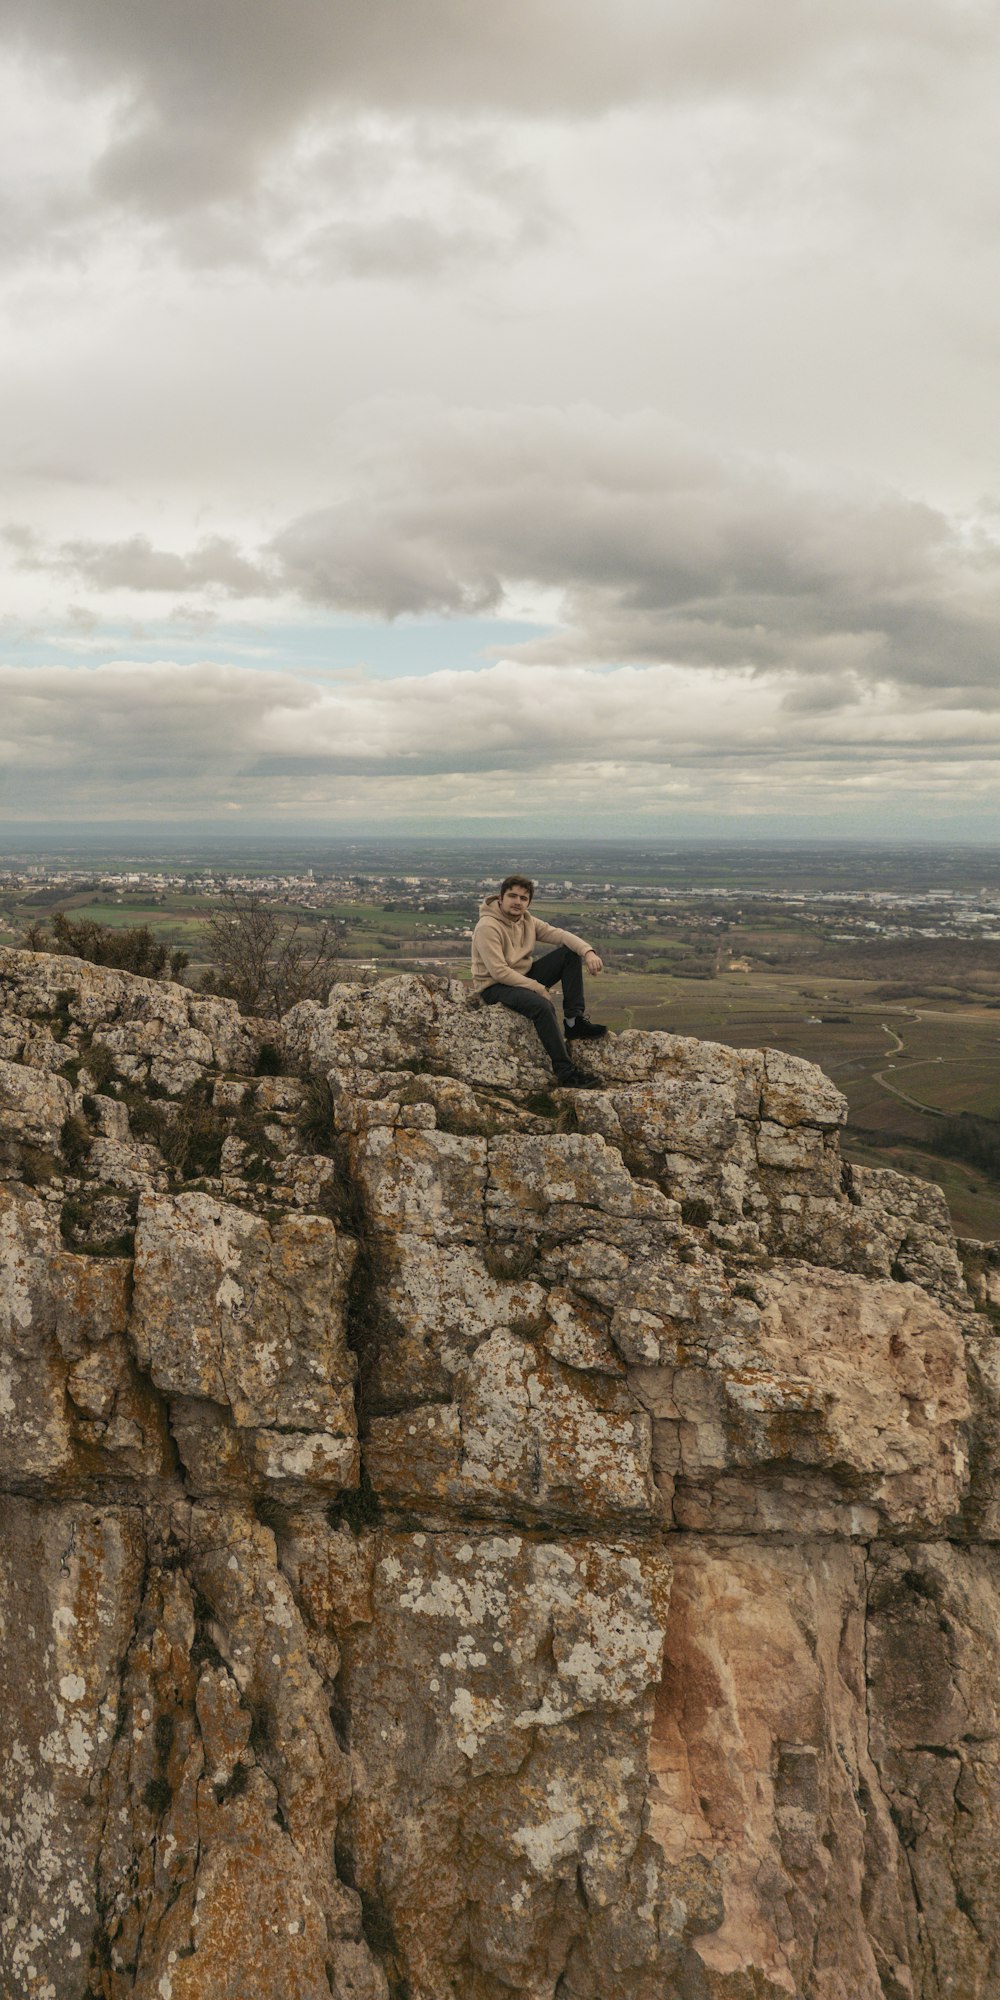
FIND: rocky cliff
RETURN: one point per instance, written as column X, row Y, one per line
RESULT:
column 469, row 1543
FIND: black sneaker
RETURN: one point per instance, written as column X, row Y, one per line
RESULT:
column 583, row 1030
column 578, row 1079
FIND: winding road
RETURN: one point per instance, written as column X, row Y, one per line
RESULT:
column 879, row 1075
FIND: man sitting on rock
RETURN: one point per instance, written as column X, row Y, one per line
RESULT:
column 505, row 971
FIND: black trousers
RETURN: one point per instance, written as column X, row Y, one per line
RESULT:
column 565, row 965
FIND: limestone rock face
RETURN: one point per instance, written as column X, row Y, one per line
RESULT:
column 248, row 1316
column 510, row 1840
column 470, row 1541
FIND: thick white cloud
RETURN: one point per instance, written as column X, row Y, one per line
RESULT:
column 653, row 548
column 659, row 550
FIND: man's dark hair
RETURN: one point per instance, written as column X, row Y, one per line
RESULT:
column 517, row 882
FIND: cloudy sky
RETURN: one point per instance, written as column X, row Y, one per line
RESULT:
column 556, row 414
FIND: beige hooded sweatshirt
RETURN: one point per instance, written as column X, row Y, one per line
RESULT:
column 503, row 947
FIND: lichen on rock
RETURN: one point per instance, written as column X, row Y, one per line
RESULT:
column 467, row 1542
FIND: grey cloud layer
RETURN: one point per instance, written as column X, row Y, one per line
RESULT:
column 197, row 738
column 242, row 66
column 656, row 549
column 205, row 93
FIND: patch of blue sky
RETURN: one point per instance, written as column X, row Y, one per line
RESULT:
column 330, row 646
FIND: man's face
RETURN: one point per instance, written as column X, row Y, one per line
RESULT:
column 514, row 901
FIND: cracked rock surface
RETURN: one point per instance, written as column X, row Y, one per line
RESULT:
column 465, row 1541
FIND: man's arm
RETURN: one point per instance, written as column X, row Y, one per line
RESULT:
column 549, row 934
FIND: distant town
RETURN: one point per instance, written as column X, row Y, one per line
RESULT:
column 627, row 907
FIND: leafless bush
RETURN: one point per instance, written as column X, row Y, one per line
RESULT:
column 264, row 962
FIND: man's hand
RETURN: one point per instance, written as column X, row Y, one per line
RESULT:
column 592, row 962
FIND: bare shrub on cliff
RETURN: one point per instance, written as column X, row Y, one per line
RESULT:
column 264, row 962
